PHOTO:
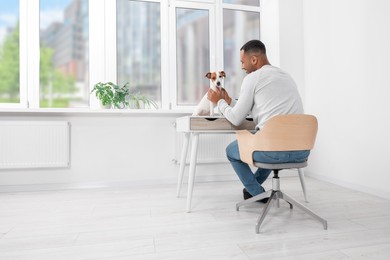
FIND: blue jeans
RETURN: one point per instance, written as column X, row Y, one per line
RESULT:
column 252, row 181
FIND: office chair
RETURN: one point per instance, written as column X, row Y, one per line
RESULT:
column 280, row 133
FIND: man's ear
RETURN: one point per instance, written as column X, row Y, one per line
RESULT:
column 208, row 75
column 222, row 73
column 254, row 60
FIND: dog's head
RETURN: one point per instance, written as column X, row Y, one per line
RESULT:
column 216, row 77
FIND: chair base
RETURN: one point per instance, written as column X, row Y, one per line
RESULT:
column 276, row 194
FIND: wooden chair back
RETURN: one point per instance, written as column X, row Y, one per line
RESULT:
column 280, row 133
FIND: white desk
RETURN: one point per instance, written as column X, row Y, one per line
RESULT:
column 192, row 126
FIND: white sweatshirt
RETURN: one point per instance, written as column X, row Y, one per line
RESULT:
column 266, row 92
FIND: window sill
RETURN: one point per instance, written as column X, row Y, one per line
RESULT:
column 92, row 112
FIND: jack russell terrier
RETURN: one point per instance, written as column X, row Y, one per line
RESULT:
column 206, row 107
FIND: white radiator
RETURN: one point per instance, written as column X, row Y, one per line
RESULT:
column 34, row 144
column 211, row 147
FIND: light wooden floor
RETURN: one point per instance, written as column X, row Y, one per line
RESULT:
column 150, row 223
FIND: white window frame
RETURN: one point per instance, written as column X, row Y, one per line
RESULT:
column 23, row 59
column 101, row 58
column 33, row 54
column 235, row 7
column 172, row 48
column 106, row 40
column 248, row 8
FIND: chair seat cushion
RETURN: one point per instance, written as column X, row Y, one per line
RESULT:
column 280, row 166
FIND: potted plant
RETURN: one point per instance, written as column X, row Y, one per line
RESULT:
column 137, row 101
column 115, row 96
column 105, row 93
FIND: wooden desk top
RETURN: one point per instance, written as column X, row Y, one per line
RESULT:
column 211, row 124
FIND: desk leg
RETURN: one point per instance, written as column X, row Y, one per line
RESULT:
column 183, row 159
column 191, row 179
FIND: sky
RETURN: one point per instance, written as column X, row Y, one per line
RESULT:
column 50, row 11
column 9, row 13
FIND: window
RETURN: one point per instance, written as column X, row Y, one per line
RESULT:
column 243, row 2
column 64, row 53
column 139, row 47
column 234, row 37
column 192, row 54
column 52, row 52
column 9, row 52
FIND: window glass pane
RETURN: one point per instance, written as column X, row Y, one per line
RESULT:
column 193, row 55
column 243, row 2
column 9, row 52
column 64, row 53
column 139, row 47
column 238, row 28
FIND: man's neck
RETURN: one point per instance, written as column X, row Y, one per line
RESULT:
column 263, row 63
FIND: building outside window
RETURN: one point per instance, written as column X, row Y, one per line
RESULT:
column 139, row 47
column 238, row 28
column 243, row 2
column 64, row 53
column 192, row 55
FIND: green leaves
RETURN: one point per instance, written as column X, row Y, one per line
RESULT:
column 106, row 93
column 138, row 101
column 120, row 97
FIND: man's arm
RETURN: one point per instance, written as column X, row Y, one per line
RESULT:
column 235, row 114
column 215, row 96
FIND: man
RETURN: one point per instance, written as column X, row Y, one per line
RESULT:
column 265, row 92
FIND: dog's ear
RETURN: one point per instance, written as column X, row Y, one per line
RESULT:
column 222, row 73
column 208, row 75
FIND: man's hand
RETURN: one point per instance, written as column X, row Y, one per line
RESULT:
column 215, row 96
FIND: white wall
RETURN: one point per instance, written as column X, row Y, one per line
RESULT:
column 111, row 150
column 269, row 29
column 291, row 41
column 282, row 33
column 347, row 86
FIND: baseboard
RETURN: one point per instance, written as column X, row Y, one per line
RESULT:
column 230, row 176
column 352, row 186
column 123, row 184
column 73, row 186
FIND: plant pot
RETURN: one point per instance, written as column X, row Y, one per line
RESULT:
column 106, row 106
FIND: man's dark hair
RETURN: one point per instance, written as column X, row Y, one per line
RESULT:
column 254, row 46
